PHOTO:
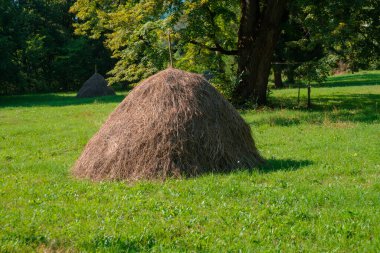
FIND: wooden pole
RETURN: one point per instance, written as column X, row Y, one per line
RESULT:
column 170, row 50
column 299, row 93
column 308, row 96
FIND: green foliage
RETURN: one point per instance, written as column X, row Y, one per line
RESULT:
column 318, row 192
column 136, row 32
column 319, row 35
column 38, row 51
column 8, row 68
column 346, row 29
column 314, row 71
column 314, row 32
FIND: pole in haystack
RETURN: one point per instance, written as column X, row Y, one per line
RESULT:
column 96, row 69
column 170, row 50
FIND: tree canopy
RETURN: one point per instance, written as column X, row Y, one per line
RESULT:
column 38, row 50
column 230, row 39
column 54, row 45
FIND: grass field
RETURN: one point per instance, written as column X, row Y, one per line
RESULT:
column 319, row 191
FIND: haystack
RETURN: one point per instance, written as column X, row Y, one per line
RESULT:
column 95, row 86
column 173, row 124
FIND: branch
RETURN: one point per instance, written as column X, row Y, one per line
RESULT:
column 217, row 48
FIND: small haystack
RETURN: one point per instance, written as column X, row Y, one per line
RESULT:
column 95, row 86
column 173, row 124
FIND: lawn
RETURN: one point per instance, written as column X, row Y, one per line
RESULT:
column 318, row 192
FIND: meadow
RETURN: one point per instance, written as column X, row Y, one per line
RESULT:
column 318, row 192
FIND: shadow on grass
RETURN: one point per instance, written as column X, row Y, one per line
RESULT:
column 355, row 107
column 54, row 100
column 372, row 78
column 272, row 165
column 347, row 80
column 335, row 108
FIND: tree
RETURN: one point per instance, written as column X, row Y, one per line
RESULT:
column 9, row 43
column 318, row 35
column 347, row 30
column 258, row 35
column 38, row 51
column 208, row 35
column 295, row 48
column 135, row 32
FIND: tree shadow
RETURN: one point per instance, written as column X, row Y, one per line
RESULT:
column 362, row 79
column 334, row 108
column 346, row 80
column 273, row 165
column 54, row 99
column 355, row 107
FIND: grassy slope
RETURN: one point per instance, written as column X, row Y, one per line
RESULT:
column 320, row 190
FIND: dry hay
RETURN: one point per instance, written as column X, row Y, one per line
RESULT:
column 95, row 86
column 173, row 124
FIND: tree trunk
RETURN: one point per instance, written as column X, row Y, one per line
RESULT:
column 277, row 70
column 258, row 34
column 290, row 75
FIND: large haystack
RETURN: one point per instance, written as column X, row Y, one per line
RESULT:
column 173, row 124
column 95, row 86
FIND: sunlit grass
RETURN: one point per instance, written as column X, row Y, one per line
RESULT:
column 319, row 191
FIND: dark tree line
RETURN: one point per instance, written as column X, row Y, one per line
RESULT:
column 39, row 51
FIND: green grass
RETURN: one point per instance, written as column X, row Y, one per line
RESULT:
column 320, row 190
